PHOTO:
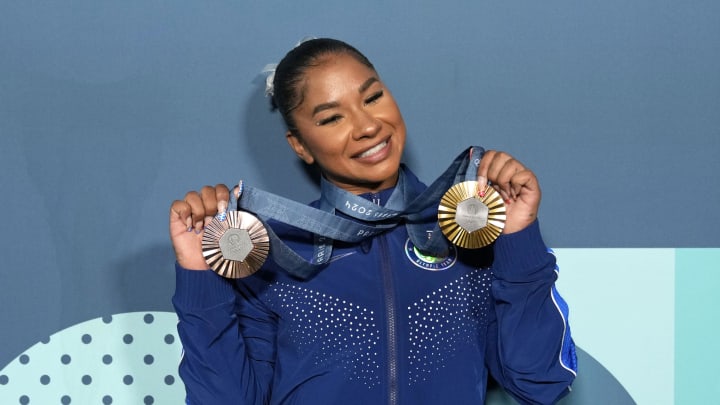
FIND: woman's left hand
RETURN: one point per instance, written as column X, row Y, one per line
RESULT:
column 517, row 185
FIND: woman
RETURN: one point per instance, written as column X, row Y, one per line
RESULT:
column 374, row 325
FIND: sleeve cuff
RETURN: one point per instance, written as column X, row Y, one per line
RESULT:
column 201, row 288
column 520, row 254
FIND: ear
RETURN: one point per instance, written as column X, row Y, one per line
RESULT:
column 299, row 147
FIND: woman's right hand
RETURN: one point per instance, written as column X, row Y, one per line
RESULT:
column 188, row 217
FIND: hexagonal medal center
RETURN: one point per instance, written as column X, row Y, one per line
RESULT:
column 235, row 244
column 471, row 214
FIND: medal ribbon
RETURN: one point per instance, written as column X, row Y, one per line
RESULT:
column 418, row 211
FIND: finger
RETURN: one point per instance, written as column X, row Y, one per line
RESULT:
column 499, row 171
column 482, row 173
column 524, row 179
column 181, row 211
column 502, row 193
column 506, row 176
column 209, row 198
column 222, row 195
column 492, row 164
column 197, row 209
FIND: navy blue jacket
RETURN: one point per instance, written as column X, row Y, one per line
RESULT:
column 382, row 324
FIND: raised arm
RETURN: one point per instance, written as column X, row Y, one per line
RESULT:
column 530, row 350
column 227, row 335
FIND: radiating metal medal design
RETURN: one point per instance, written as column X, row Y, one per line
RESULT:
column 237, row 246
column 468, row 220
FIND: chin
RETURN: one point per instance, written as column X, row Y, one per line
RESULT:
column 385, row 179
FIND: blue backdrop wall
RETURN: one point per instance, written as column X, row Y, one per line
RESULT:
column 111, row 110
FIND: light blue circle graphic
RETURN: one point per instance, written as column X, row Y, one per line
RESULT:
column 132, row 358
column 129, row 358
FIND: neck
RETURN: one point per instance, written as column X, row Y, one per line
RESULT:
column 363, row 188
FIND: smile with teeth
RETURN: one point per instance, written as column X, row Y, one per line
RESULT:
column 375, row 149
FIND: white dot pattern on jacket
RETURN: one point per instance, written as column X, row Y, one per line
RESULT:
column 341, row 332
column 347, row 333
column 445, row 320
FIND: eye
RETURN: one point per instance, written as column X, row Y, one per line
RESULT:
column 329, row 120
column 374, row 97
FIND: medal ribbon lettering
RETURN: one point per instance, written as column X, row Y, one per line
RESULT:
column 417, row 211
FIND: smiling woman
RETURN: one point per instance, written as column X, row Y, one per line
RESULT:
column 349, row 124
column 397, row 315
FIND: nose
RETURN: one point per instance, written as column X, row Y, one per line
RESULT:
column 367, row 125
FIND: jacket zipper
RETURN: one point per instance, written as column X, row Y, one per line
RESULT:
column 391, row 317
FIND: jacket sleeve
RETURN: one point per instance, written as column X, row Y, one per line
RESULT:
column 530, row 350
column 227, row 338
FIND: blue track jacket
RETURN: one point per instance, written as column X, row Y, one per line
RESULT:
column 382, row 324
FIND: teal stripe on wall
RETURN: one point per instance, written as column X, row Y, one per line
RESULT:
column 697, row 326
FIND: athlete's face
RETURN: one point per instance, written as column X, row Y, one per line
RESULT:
column 349, row 124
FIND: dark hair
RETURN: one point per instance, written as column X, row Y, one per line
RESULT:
column 290, row 72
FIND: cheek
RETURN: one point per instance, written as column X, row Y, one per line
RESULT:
column 325, row 148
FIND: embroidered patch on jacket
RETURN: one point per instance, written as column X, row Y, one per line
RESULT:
column 430, row 262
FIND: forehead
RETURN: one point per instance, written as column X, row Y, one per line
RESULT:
column 334, row 73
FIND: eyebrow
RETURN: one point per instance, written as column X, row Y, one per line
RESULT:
column 333, row 104
column 324, row 106
column 367, row 84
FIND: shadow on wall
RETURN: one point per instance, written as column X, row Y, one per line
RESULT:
column 282, row 172
column 145, row 280
column 81, row 152
column 593, row 386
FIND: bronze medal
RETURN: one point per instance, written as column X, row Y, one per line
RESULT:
column 468, row 220
column 236, row 247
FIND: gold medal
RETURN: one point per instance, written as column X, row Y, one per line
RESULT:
column 468, row 220
column 236, row 247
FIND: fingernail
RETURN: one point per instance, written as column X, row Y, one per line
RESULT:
column 505, row 197
column 222, row 210
column 482, row 185
column 188, row 222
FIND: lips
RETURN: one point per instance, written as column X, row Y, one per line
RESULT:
column 375, row 149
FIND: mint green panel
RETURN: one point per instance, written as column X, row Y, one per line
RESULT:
column 621, row 313
column 697, row 326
